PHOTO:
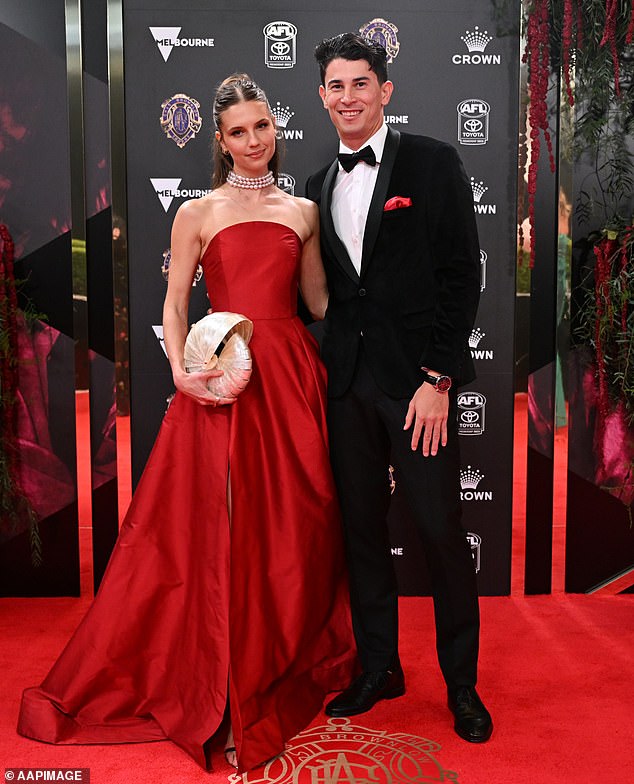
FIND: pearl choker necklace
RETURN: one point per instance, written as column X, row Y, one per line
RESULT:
column 251, row 183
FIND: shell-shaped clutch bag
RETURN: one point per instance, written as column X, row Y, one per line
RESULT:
column 221, row 340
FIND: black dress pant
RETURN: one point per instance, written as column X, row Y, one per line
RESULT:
column 366, row 436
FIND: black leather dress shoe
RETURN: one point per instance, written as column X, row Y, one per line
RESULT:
column 364, row 692
column 473, row 720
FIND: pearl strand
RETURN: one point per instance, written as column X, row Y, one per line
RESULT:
column 251, row 183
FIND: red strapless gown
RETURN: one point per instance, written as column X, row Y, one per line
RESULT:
column 192, row 612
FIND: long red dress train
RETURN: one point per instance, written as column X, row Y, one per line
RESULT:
column 194, row 609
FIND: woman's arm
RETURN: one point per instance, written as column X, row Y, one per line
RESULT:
column 185, row 250
column 312, row 278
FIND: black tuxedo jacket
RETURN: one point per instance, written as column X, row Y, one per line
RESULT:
column 416, row 298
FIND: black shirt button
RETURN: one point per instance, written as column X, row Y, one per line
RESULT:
column 362, row 292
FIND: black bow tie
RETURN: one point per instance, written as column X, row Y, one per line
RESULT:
column 350, row 160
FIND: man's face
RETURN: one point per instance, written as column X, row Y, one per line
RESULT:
column 354, row 99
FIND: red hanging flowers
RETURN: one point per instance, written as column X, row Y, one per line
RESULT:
column 537, row 55
column 567, row 35
column 609, row 37
column 625, row 251
column 603, row 251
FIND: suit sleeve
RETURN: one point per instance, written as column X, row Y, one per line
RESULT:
column 456, row 259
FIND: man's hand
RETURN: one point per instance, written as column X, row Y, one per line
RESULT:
column 428, row 410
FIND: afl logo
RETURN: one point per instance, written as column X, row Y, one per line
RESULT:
column 475, row 543
column 471, row 413
column 473, row 121
column 483, row 270
column 286, row 182
column 382, row 32
column 280, row 44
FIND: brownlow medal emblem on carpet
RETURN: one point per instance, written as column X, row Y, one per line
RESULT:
column 343, row 753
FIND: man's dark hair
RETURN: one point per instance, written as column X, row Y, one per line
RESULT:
column 352, row 46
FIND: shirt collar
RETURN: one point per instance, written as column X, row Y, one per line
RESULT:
column 376, row 141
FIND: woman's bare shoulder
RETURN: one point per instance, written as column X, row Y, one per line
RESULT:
column 195, row 209
column 302, row 208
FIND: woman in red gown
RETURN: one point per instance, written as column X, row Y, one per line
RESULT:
column 227, row 584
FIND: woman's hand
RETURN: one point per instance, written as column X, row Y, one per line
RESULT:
column 194, row 385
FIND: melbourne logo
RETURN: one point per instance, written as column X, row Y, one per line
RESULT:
column 474, row 342
column 479, row 189
column 158, row 333
column 473, row 121
column 283, row 115
column 286, row 183
column 476, row 42
column 180, row 118
column 167, row 38
column 280, row 45
column 475, row 543
column 167, row 190
column 343, row 753
column 382, row 32
column 483, row 270
column 471, row 407
column 470, row 478
column 397, row 119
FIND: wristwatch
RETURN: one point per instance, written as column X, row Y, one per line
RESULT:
column 441, row 384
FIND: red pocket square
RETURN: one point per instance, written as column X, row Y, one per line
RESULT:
column 397, row 203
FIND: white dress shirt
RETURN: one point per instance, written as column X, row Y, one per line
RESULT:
column 352, row 195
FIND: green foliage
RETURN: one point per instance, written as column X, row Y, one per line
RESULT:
column 604, row 116
column 602, row 138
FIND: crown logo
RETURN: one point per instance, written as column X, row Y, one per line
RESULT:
column 476, row 41
column 470, row 478
column 479, row 189
column 475, row 337
column 282, row 114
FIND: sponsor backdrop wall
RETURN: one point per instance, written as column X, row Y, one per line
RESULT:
column 455, row 67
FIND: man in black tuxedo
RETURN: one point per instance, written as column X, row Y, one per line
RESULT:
column 401, row 253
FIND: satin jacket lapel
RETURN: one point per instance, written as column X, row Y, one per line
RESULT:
column 337, row 248
column 375, row 213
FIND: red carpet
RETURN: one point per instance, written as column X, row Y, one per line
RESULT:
column 556, row 672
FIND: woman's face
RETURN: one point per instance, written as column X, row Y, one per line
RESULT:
column 248, row 134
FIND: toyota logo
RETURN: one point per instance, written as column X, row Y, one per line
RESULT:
column 469, row 416
column 473, row 125
column 280, row 48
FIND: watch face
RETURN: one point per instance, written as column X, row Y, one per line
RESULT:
column 443, row 384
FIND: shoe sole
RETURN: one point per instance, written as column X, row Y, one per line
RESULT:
column 342, row 714
column 474, row 739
